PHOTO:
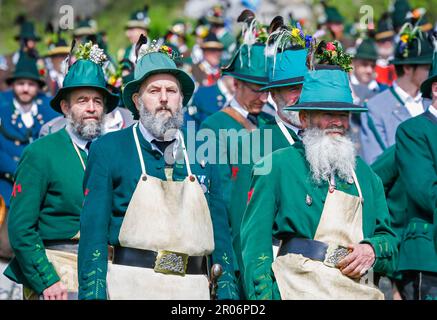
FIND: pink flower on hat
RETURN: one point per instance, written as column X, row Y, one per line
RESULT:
column 330, row 46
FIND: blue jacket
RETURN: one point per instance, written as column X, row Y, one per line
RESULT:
column 14, row 136
column 206, row 101
column 378, row 126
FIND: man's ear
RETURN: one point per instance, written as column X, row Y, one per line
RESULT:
column 64, row 106
column 434, row 90
column 135, row 99
column 304, row 119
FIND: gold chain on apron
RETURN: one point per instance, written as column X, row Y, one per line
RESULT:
column 163, row 216
column 299, row 277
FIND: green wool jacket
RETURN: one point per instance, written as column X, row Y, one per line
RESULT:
column 278, row 207
column 416, row 154
column 45, row 205
column 251, row 148
column 110, row 180
column 219, row 125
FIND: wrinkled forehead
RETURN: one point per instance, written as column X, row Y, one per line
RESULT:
column 160, row 80
column 86, row 92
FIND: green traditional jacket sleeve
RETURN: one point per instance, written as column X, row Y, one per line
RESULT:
column 94, row 226
column 256, row 236
column 384, row 240
column 222, row 254
column 29, row 192
column 417, row 168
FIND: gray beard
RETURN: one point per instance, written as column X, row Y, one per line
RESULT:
column 87, row 131
column 291, row 116
column 161, row 128
column 328, row 154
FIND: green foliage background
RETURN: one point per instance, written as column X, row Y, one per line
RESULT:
column 162, row 14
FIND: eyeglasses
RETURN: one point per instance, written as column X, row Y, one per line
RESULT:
column 254, row 90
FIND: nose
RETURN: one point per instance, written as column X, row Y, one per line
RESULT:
column 163, row 98
column 264, row 96
column 336, row 121
column 91, row 106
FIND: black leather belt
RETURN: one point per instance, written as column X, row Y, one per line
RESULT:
column 68, row 245
column 148, row 259
column 314, row 250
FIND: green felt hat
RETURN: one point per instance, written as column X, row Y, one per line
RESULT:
column 287, row 68
column 85, row 27
column 385, row 30
column 156, row 63
column 333, row 15
column 139, row 19
column 399, row 15
column 85, row 74
column 367, row 50
column 413, row 48
column 27, row 31
column 326, row 88
column 426, row 85
column 26, row 68
column 249, row 64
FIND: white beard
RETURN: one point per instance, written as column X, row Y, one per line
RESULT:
column 162, row 128
column 328, row 154
column 86, row 130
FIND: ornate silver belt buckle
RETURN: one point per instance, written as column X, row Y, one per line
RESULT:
column 334, row 254
column 170, row 262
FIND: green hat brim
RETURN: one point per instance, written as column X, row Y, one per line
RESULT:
column 414, row 60
column 283, row 83
column 84, row 31
column 136, row 24
column 187, row 85
column 248, row 78
column 326, row 106
column 25, row 75
column 364, row 56
column 111, row 102
column 425, row 88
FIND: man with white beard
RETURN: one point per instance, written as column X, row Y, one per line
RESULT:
column 325, row 205
column 47, row 195
column 286, row 70
column 150, row 198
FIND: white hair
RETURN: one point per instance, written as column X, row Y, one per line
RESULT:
column 88, row 130
column 160, row 127
column 329, row 154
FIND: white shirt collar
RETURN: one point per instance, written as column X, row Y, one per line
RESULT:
column 288, row 125
column 433, row 110
column 405, row 96
column 149, row 137
column 234, row 104
column 113, row 121
column 77, row 140
column 33, row 110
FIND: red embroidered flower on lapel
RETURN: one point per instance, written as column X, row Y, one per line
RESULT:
column 249, row 195
column 16, row 189
column 234, row 172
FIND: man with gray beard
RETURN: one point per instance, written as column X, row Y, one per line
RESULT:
column 150, row 198
column 325, row 205
column 47, row 195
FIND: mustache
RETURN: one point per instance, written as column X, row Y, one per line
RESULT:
column 335, row 129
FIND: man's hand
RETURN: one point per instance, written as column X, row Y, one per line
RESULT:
column 56, row 291
column 358, row 261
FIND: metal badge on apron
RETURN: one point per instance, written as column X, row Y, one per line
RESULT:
column 167, row 217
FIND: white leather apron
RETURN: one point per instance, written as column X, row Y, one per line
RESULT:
column 163, row 215
column 299, row 277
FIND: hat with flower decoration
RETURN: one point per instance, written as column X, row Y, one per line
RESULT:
column 414, row 47
column 27, row 67
column 326, row 85
column 139, row 19
column 155, row 59
column 286, row 54
column 249, row 63
column 399, row 11
column 86, row 72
